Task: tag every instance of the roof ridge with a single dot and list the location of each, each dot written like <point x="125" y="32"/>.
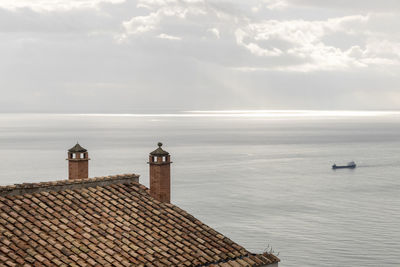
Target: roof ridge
<point x="26" y="188"/>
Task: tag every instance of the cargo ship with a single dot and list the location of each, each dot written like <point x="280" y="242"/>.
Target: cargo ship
<point x="350" y="165"/>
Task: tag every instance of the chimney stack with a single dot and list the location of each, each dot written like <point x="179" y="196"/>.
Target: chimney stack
<point x="78" y="163"/>
<point x="160" y="174"/>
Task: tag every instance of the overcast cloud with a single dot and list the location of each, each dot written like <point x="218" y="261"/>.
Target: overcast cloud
<point x="152" y="55"/>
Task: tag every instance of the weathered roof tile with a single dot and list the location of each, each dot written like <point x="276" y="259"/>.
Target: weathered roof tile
<point x="107" y="221"/>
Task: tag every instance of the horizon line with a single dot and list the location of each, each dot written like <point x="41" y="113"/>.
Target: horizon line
<point x="262" y="113"/>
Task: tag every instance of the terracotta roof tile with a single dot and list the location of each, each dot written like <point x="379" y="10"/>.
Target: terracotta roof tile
<point x="107" y="221"/>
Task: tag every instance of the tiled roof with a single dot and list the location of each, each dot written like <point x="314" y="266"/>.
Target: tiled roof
<point x="159" y="151"/>
<point x="107" y="221"/>
<point x="77" y="148"/>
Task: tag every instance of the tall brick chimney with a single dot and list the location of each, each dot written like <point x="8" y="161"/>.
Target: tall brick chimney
<point x="160" y="174"/>
<point x="78" y="163"/>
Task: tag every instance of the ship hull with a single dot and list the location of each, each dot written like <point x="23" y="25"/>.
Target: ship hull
<point x="344" y="167"/>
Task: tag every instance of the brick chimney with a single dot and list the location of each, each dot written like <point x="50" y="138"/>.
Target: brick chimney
<point x="160" y="174"/>
<point x="78" y="163"/>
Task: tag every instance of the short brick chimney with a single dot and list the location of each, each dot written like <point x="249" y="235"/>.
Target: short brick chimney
<point x="78" y="163"/>
<point x="160" y="174"/>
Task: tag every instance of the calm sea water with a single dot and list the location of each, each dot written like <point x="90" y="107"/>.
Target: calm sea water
<point x="261" y="178"/>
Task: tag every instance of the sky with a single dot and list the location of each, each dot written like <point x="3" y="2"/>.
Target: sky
<point x="123" y="56"/>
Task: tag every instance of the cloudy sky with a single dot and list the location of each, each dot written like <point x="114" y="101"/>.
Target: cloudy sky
<point x="150" y="55"/>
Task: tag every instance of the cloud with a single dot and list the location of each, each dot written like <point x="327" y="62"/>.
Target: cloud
<point x="152" y="21"/>
<point x="276" y="4"/>
<point x="168" y="37"/>
<point x="51" y="5"/>
<point x="304" y="41"/>
<point x="215" y="32"/>
<point x="141" y="24"/>
<point x="150" y="4"/>
<point x="253" y="47"/>
<point x="296" y="45"/>
<point x="204" y="53"/>
<point x="80" y="21"/>
<point x="354" y="5"/>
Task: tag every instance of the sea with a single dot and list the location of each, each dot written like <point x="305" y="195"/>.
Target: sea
<point x="263" y="178"/>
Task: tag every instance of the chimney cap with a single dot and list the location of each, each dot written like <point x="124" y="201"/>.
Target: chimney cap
<point x="159" y="151"/>
<point x="77" y="148"/>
